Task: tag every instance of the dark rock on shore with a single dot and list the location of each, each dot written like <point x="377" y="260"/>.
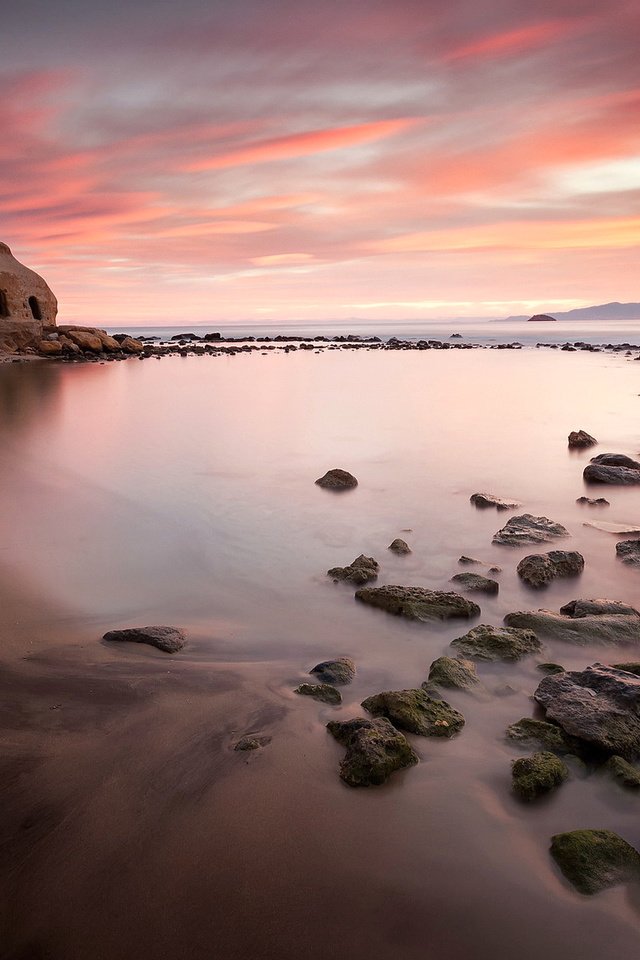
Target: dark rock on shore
<point x="529" y="529"/>
<point x="375" y="749"/>
<point x="539" y="569"/>
<point x="613" y="468"/>
<point x="599" y="705"/>
<point x="484" y="500"/>
<point x="400" y="547"/>
<point x="592" y="860"/>
<point x="416" y="712"/>
<point x="616" y="460"/>
<point x="623" y="772"/>
<point x="361" y="570"/>
<point x="534" y="776"/>
<point x="320" y="691"/>
<point x="340" y="670"/>
<point x="418" y="603"/>
<point x="476" y="583"/>
<point x="629" y="552"/>
<point x="591" y="502"/>
<point x="337" y="479"/>
<point x="252" y="743"/>
<point x="167" y="639"/>
<point x="581" y="439"/>
<point x="548" y="735"/>
<point x="453" y="672"/>
<point x="485" y="642"/>
<point x="616" y="628"/>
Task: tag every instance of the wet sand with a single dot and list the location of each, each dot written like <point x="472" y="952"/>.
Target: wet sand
<point x="136" y="494"/>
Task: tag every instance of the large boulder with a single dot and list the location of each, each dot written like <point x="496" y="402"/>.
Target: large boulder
<point x="476" y="583"/>
<point x="375" y="749"/>
<point x="167" y="639"/>
<point x="539" y="569"/>
<point x="337" y="479"/>
<point x="629" y="552"/>
<point x="340" y="670"/>
<point x="486" y="642"/>
<point x="610" y="628"/>
<point x="599" y="705"/>
<point x="595" y="859"/>
<point x="416" y="712"/>
<point x="536" y="775"/>
<point x="27" y="304"/>
<point x="529" y="529"/>
<point x="359" y="571"/>
<point x="86" y="340"/>
<point x="484" y="500"/>
<point x="418" y="603"/>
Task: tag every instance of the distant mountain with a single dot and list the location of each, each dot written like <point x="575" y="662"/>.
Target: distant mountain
<point x="603" y="311"/>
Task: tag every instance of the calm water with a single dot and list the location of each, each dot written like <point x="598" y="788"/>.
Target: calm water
<point x="181" y="491"/>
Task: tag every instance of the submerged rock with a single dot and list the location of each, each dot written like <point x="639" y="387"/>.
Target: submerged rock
<point x="534" y="776"/>
<point x="167" y="639"/>
<point x="375" y="749"/>
<point x="361" y="570"/>
<point x="539" y="569"/>
<point x="599" y="628"/>
<point x="418" y="603"/>
<point x="529" y="529"/>
<point x="599" y="705"/>
<point x="590" y="502"/>
<point x="629" y="552"/>
<point x="252" y="743"/>
<point x="485" y="642"/>
<point x="581" y="439"/>
<point x="576" y="609"/>
<point x="337" y="479"/>
<point x="475" y="582"/>
<point x="549" y="668"/>
<point x="342" y="670"/>
<point x="484" y="500"/>
<point x="453" y="672"/>
<point x="595" y="859"/>
<point x="618" y="529"/>
<point x="324" y="692"/>
<point x="416" y="712"/>
<point x="548" y="735"/>
<point x="613" y="468"/>
<point x="621" y="770"/>
<point x="399" y="546"/>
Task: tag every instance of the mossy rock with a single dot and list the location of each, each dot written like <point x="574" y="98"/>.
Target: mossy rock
<point x="537" y="775"/>
<point x="595" y="859"/>
<point x="548" y="735"/>
<point x="416" y="712"/>
<point x="452" y="672"/>
<point x="320" y="691"/>
<point x="485" y="642"/>
<point x="341" y="670"/>
<point x="418" y="603"/>
<point x="632" y="667"/>
<point x="549" y="668"/>
<point x="624" y="772"/>
<point x="375" y="749"/>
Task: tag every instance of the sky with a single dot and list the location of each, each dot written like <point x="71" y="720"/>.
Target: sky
<point x="279" y="160"/>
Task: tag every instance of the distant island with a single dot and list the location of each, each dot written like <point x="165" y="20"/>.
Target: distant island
<point x="538" y="317"/>
<point x="602" y="311"/>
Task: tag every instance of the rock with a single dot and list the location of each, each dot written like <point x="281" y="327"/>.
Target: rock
<point x="549" y="667"/>
<point x="110" y="344"/>
<point x="167" y="639"/>
<point x="586" y="608"/>
<point x="320" y="691"/>
<point x="621" y="770"/>
<point x="131" y="345"/>
<point x="341" y="670"/>
<point x="418" y="603"/>
<point x="337" y="480"/>
<point x="529" y="529"/>
<point x="599" y="705"/>
<point x="50" y="348"/>
<point x="613" y="469"/>
<point x="629" y="552"/>
<point x="467" y="561"/>
<point x="616" y="460"/>
<point x="595" y="859"/>
<point x="375" y="749"/>
<point x="599" y="628"/>
<point x="590" y="502"/>
<point x="416" y="712"/>
<point x="534" y="776"/>
<point x="453" y="672"/>
<point x="399" y="546"/>
<point x="361" y="570"/>
<point x="27" y="304"/>
<point x="252" y="743"/>
<point x="539" y="569"/>
<point x="617" y="528"/>
<point x="548" y="735"/>
<point x="483" y="500"/>
<point x="581" y="439"/>
<point x="476" y="583"/>
<point x="485" y="642"/>
<point x="631" y="667"/>
<point x="85" y="340"/>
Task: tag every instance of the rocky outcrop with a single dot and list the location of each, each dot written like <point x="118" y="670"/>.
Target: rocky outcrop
<point x="375" y="749"/>
<point x="475" y="583"/>
<point x="27" y="304"/>
<point x="167" y="639"/>
<point x="341" y="670"/>
<point x="485" y="642"/>
<point x="452" y="672"/>
<point x="416" y="712"/>
<point x="534" y="776"/>
<point x="629" y="552"/>
<point x="593" y="860"/>
<point x="484" y="500"/>
<point x="612" y="468"/>
<point x="324" y="692"/>
<point x="399" y="547"/>
<point x="337" y="479"/>
<point x="418" y="603"/>
<point x="615" y="628"/>
<point x="600" y="706"/>
<point x="580" y="439"/>
<point x="539" y="569"/>
<point x="361" y="570"/>
<point x="529" y="529"/>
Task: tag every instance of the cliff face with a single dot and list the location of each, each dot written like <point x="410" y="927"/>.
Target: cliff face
<point x="26" y="304"/>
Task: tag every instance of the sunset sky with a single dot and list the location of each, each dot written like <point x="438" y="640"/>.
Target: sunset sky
<point x="263" y="160"/>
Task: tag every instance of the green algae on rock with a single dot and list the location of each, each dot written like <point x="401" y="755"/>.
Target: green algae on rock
<point x="485" y="642"/>
<point x="536" y="775"/>
<point x="359" y="571"/>
<point x="549" y="667"/>
<point x="416" y="712"/>
<point x="630" y="667"/>
<point x="623" y="772"/>
<point x="320" y="691"/>
<point x="453" y="672"/>
<point x="375" y="749"/>
<point x="340" y="670"/>
<point x="549" y="735"/>
<point x="418" y="603"/>
<point x="595" y="859"/>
